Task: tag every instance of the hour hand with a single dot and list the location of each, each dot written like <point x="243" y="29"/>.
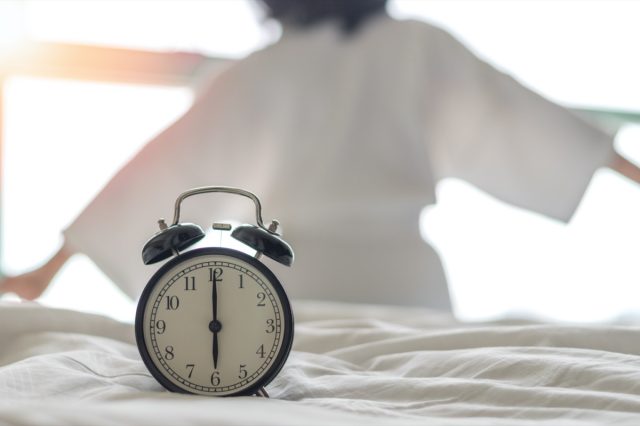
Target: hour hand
<point x="215" y="350"/>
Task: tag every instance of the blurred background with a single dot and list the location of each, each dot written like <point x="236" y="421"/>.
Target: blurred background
<point x="84" y="84"/>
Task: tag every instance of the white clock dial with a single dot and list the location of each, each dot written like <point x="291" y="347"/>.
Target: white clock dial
<point x="214" y="324"/>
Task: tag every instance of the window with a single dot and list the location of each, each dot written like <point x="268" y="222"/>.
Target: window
<point x="63" y="139"/>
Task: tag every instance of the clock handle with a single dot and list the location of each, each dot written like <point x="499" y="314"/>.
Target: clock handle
<point x="272" y="229"/>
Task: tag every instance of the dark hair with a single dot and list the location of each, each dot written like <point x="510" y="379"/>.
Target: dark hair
<point x="305" y="13"/>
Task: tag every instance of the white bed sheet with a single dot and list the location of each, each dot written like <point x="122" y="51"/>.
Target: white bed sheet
<point x="351" y="365"/>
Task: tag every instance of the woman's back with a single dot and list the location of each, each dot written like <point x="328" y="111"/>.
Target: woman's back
<point x="343" y="137"/>
<point x="341" y="122"/>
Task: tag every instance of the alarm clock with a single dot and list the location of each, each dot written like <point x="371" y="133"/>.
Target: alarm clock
<point x="215" y="321"/>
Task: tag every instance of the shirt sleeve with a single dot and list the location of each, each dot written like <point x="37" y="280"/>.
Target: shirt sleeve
<point x="488" y="129"/>
<point x="197" y="150"/>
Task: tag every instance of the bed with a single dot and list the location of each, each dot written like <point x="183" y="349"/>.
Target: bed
<point x="351" y="364"/>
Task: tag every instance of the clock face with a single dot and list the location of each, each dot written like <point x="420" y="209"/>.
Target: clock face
<point x="214" y="321"/>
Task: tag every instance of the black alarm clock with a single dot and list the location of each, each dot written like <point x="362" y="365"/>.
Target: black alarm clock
<point x="215" y="321"/>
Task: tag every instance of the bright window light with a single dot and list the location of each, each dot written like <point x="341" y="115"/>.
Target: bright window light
<point x="227" y="28"/>
<point x="573" y="52"/>
<point x="63" y="140"/>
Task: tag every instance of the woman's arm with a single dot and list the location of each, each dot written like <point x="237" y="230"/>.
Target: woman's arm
<point x="625" y="168"/>
<point x="32" y="284"/>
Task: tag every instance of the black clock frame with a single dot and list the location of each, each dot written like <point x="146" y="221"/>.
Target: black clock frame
<point x="287" y="335"/>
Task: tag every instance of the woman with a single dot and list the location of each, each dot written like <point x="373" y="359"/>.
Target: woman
<point x="343" y="128"/>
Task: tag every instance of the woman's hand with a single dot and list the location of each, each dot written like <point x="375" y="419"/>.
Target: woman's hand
<point x="32" y="284"/>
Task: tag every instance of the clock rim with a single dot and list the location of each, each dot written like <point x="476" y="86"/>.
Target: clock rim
<point x="287" y="314"/>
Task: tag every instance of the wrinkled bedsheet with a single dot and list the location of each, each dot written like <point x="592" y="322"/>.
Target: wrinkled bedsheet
<point x="351" y="364"/>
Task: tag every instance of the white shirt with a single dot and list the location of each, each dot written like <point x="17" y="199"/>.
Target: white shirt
<point x="344" y="139"/>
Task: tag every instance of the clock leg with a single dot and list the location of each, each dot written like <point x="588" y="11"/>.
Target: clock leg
<point x="262" y="392"/>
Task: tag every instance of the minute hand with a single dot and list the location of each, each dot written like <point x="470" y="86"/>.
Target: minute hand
<point x="215" y="324"/>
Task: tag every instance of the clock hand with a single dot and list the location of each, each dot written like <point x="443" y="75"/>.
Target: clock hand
<point x="215" y="350"/>
<point x="215" y="325"/>
<point x="214" y="297"/>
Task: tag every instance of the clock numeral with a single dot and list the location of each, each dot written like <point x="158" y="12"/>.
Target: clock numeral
<point x="172" y="303"/>
<point x="261" y="297"/>
<point x="189" y="283"/>
<point x="260" y="351"/>
<point x="215" y="275"/>
<point x="161" y="326"/>
<point x="243" y="371"/>
<point x="215" y="378"/>
<point x="168" y="353"/>
<point x="241" y="276"/>
<point x="270" y="326"/>
<point x="190" y="367"/>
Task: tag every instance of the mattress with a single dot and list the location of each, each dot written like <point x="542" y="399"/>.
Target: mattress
<point x="351" y="364"/>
